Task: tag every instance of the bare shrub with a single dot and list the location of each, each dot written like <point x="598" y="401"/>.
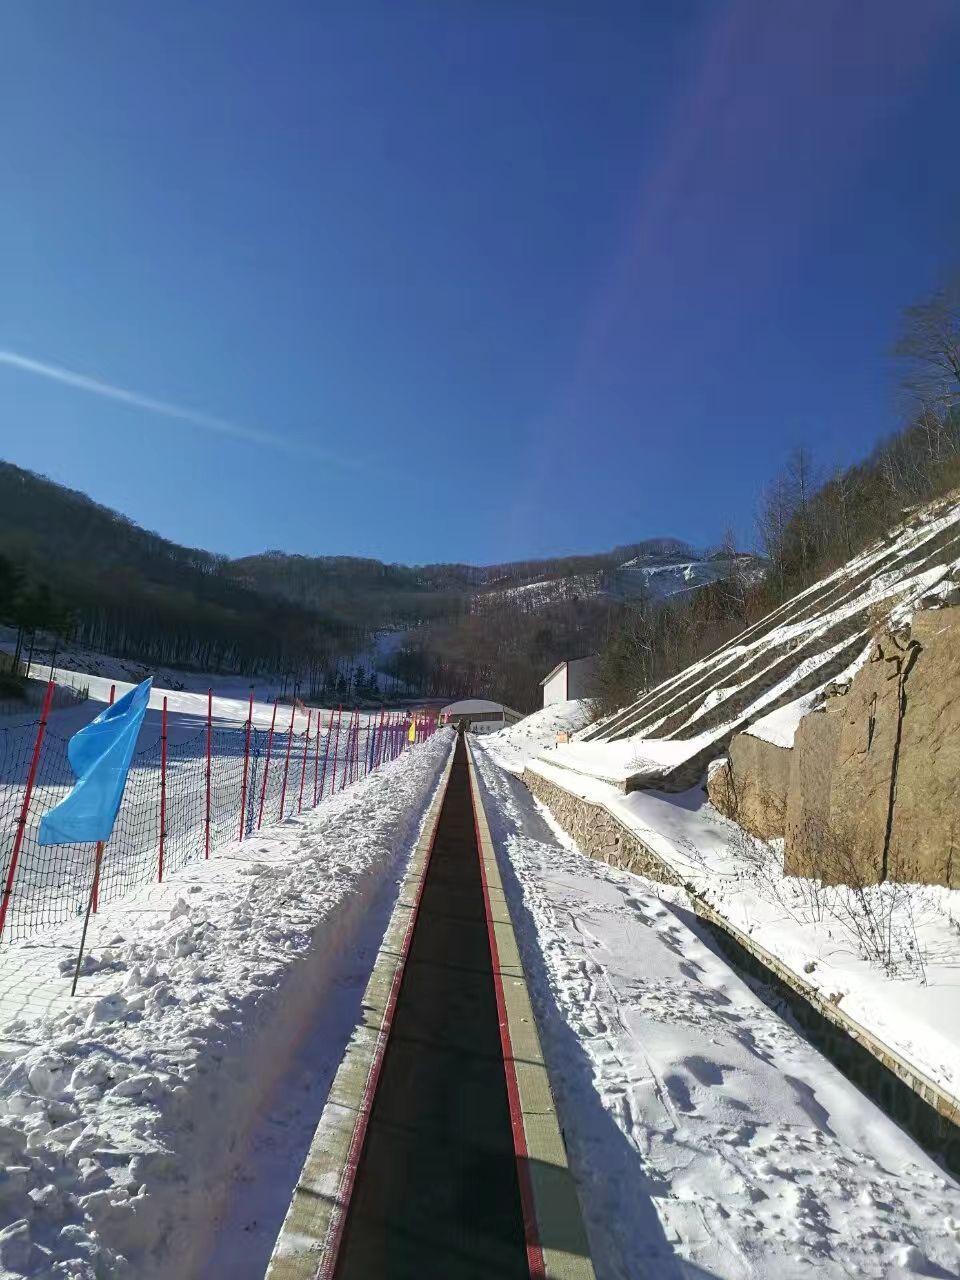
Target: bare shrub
<point x="878" y="921"/>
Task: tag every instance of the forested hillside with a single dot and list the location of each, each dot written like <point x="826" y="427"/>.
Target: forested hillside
<point x="75" y="568"/>
<point x="72" y="566"/>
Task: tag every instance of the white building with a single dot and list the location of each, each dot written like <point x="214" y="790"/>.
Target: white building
<point x="569" y="679"/>
<point x="480" y="715"/>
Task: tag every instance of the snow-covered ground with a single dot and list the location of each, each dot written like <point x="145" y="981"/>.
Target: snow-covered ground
<point x="82" y="668"/>
<point x="707" y="1137"/>
<point x="88" y="665"/>
<point x="515" y="744"/>
<point x="905" y="989"/>
<point x="43" y="875"/>
<point x="125" y="1116"/>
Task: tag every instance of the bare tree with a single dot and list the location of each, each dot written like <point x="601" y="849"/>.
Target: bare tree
<point x="772" y="520"/>
<point x="929" y="343"/>
<point x="802" y="484"/>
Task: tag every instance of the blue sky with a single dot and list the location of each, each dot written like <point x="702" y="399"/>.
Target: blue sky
<point x="462" y="279"/>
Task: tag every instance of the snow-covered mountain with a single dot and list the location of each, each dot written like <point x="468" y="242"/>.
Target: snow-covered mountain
<point x="660" y="570"/>
<point x="662" y="576"/>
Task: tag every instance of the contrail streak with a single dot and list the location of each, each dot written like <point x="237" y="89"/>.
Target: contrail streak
<point x="205" y="421"/>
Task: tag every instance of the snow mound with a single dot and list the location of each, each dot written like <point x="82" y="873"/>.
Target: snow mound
<point x="515" y="745"/>
<point x="123" y="1119"/>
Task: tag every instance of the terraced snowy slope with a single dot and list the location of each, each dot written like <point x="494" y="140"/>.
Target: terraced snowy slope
<point x="669" y="735"/>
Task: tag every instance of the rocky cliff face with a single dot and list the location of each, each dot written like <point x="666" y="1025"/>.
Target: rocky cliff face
<point x="869" y="791"/>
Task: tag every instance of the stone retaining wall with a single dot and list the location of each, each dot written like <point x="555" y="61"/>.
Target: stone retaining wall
<point x="597" y="832"/>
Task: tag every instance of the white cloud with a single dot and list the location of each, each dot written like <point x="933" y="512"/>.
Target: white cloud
<point x="205" y="421"/>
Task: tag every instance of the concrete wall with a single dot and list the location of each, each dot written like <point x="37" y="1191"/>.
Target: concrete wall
<point x="555" y="689"/>
<point x="580" y="674"/>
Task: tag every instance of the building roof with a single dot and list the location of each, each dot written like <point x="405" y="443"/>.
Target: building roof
<point x="474" y="706"/>
<point x="551" y="674"/>
<point x="568" y="662"/>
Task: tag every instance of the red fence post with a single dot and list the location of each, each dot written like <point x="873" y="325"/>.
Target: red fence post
<point x="266" y="767"/>
<point x="336" y="748"/>
<point x="95" y="891"/>
<point x="316" y="754"/>
<point x="346" y="754"/>
<point x="348" y="758"/>
<point x="326" y="750"/>
<point x="163" y="789"/>
<point x="246" y="765"/>
<point x="303" y="767"/>
<point x="25" y="807"/>
<point x="286" y="763"/>
<point x="206" y="824"/>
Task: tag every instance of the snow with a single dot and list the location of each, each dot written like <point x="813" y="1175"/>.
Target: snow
<point x="615" y="761"/>
<point x="513" y="746"/>
<point x="68" y="880"/>
<point x="706" y="1136"/>
<point x="227" y="709"/>
<point x="124" y="1117"/>
<point x="664" y="580"/>
<point x="531" y="596"/>
<point x="656" y="577"/>
<point x="780" y="727"/>
<point x="894" y="577"/>
<point x="187" y="708"/>
<point x="913" y="1005"/>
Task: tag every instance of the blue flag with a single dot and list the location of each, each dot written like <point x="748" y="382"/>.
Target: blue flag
<point x="100" y="755"/>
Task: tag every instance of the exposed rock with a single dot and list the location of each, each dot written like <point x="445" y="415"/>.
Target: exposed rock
<point x="868" y="718"/>
<point x="752" y="787"/>
<point x="812" y="761"/>
<point x="720" y="789"/>
<point x="925" y="831"/>
<point x="873" y="791"/>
